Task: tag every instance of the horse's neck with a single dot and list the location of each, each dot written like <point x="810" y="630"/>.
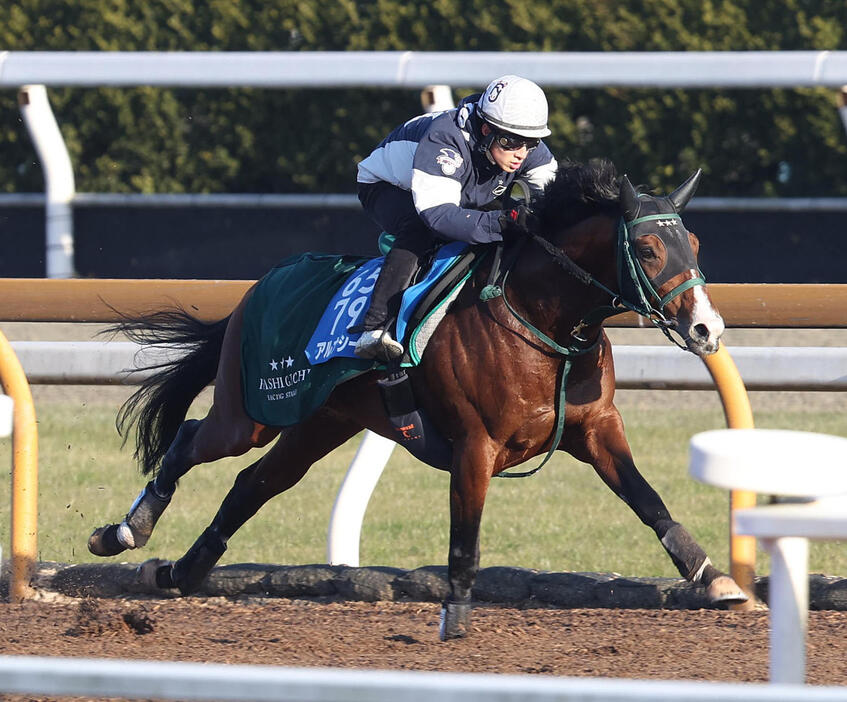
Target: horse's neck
<point x="554" y="299"/>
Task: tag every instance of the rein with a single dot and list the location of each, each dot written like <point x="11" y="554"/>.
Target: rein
<point x="628" y="265"/>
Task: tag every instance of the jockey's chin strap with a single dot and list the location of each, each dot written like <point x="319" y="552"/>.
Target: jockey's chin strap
<point x="628" y="265"/>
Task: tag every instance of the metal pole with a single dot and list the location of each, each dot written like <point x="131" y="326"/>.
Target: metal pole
<point x="736" y="405"/>
<point x="58" y="179"/>
<point x="24" y="473"/>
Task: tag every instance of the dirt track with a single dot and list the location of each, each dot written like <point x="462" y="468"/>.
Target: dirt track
<point x="663" y="644"/>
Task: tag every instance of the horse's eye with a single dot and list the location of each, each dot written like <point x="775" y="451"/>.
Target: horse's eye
<point x="647" y="253"/>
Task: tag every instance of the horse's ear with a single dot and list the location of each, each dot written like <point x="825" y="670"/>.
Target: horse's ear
<point x="680" y="197"/>
<point x="629" y="200"/>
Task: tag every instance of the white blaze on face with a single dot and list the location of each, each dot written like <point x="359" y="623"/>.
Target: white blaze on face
<point x="706" y="325"/>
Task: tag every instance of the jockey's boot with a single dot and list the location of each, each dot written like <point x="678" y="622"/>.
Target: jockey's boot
<point x="378" y="343"/>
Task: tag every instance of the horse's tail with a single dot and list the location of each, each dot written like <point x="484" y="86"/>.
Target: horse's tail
<point x="158" y="407"/>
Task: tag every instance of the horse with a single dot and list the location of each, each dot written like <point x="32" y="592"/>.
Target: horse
<point x="503" y="379"/>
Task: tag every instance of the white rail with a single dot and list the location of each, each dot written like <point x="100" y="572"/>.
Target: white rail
<point x="332" y="69"/>
<point x="349" y="201"/>
<point x="636" y="367"/>
<point x="205" y="681"/>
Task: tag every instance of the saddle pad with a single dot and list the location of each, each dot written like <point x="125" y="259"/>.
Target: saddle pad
<point x="279" y="385"/>
<point x="348" y="306"/>
<point x="294" y="343"/>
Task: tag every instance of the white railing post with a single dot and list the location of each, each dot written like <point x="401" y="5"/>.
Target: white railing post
<point x="58" y="179"/>
<point x="788" y="600"/>
<point x="7" y="407"/>
<point x="345" y="523"/>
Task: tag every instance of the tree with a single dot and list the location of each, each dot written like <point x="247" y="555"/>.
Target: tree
<point x="749" y="142"/>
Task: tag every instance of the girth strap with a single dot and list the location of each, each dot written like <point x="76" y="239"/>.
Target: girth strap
<point x="567" y="352"/>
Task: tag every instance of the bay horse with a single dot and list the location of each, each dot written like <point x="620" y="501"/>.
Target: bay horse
<point x="502" y="379"/>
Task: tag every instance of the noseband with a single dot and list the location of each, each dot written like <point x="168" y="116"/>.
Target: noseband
<point x="638" y="292"/>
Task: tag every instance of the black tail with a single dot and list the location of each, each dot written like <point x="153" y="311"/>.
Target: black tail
<point x="159" y="406"/>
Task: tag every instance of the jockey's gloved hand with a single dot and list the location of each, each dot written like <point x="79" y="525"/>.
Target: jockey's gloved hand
<point x="517" y="222"/>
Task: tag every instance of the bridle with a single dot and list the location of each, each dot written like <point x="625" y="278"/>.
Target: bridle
<point x="637" y="293"/>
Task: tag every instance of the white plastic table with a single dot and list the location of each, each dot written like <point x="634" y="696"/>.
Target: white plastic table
<point x="808" y="474"/>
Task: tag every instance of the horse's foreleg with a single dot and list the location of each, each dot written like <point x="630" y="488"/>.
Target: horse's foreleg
<point x="279" y="469"/>
<point x="605" y="447"/>
<point x="469" y="482"/>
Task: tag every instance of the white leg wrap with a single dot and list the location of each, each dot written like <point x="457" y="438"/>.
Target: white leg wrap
<point x="699" y="574"/>
<point x="125" y="536"/>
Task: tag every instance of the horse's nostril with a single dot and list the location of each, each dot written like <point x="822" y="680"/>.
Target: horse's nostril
<point x="701" y="331"/>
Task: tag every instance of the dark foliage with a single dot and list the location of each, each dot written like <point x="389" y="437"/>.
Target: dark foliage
<point x="749" y="142"/>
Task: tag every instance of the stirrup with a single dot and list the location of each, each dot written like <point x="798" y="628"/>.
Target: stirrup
<point x="378" y="343"/>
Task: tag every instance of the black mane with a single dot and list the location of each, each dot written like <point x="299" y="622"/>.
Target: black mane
<point x="579" y="191"/>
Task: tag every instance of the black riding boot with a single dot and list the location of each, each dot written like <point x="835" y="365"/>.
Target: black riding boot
<point x="396" y="274"/>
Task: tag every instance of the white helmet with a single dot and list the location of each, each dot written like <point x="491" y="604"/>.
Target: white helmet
<point x="515" y="105"/>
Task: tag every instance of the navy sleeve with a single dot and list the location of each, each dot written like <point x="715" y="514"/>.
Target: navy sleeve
<point x="440" y="170"/>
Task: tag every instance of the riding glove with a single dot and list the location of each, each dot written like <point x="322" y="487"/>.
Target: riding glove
<point x="518" y="222"/>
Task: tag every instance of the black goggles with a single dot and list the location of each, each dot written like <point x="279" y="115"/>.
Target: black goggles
<point x="513" y="142"/>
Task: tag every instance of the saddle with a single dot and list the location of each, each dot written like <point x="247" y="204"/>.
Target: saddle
<point x="295" y="347"/>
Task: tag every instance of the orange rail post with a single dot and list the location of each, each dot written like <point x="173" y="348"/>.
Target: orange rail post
<point x="736" y="406"/>
<point x="24" y="473"/>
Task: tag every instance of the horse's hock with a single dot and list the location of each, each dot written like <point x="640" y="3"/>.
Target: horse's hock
<point x="519" y="587"/>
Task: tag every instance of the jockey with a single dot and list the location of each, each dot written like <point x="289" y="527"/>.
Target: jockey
<point x="427" y="180"/>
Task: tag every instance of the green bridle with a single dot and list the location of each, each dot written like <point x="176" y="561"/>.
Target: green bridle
<point x="630" y="274"/>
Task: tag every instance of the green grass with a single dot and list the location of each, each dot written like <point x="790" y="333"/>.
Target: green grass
<point x="563" y="518"/>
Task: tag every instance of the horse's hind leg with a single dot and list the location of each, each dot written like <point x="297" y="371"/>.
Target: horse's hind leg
<point x="279" y="469"/>
<point x="603" y="444"/>
<point x="225" y="431"/>
<point x="197" y="441"/>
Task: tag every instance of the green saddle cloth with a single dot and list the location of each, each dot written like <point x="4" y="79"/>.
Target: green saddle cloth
<point x="280" y="386"/>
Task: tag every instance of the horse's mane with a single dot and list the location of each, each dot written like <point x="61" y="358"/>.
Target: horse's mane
<point x="579" y="191"/>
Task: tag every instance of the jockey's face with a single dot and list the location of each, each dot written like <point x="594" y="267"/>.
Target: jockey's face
<point x="508" y="159"/>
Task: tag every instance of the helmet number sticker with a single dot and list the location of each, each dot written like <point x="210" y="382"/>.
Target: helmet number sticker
<point x="495" y="91"/>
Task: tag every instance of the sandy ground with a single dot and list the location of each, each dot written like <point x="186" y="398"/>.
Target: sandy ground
<point x="659" y="644"/>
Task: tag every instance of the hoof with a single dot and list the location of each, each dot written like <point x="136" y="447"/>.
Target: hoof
<point x="104" y="541"/>
<point x="455" y="617"/>
<point x="723" y="590"/>
<point x="154" y="573"/>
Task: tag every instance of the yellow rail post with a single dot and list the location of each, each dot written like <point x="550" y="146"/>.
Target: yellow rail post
<point x="736" y="406"/>
<point x="24" y="473"/>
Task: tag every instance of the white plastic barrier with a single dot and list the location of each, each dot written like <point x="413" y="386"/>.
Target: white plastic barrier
<point x="809" y="472"/>
<point x="417" y="69"/>
<point x="348" y="512"/>
<point x="664" y="367"/>
<point x="7" y="407"/>
<point x="209" y="681"/>
<point x="636" y="367"/>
